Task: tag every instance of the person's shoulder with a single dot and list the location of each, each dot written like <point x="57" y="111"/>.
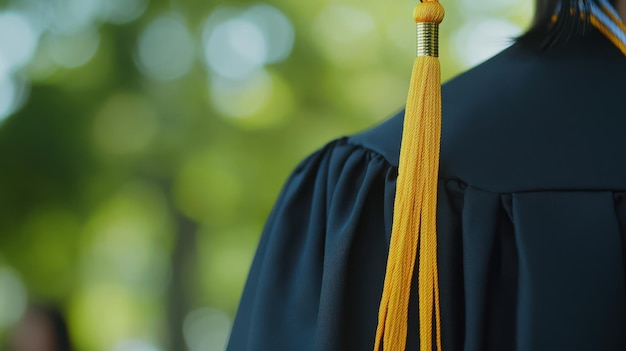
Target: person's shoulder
<point x="503" y="121"/>
<point x="384" y="138"/>
<point x="508" y="76"/>
<point x="515" y="60"/>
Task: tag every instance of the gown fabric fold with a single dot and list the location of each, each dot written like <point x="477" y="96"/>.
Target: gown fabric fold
<point x="531" y="218"/>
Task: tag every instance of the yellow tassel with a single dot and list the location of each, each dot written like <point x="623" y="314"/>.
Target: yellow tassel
<point x="414" y="221"/>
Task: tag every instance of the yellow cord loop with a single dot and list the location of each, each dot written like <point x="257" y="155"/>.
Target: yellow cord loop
<point x="414" y="231"/>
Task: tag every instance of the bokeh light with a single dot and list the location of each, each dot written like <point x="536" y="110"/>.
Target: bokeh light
<point x="236" y="48"/>
<point x="478" y="40"/>
<point x="12" y="297"/>
<point x="67" y="16"/>
<point x="134" y="345"/>
<point x="347" y="35"/>
<point x="112" y="306"/>
<point x="122" y="11"/>
<point x="277" y="30"/>
<point x="206" y="329"/>
<point x="74" y="49"/>
<point x="125" y="268"/>
<point x="241" y="99"/>
<point x="263" y="100"/>
<point x="125" y="125"/>
<point x="166" y="48"/>
<point x="240" y="45"/>
<point x="237" y="44"/>
<point x="18" y="40"/>
<point x="13" y="93"/>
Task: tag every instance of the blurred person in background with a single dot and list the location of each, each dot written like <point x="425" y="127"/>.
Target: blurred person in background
<point x="42" y="328"/>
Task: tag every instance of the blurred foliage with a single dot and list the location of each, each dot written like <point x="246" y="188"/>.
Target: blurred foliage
<point x="142" y="143"/>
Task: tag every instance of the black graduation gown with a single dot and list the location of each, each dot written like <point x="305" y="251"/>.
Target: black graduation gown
<point x="531" y="217"/>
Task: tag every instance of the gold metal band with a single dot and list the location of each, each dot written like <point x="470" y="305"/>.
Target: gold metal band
<point x="428" y="39"/>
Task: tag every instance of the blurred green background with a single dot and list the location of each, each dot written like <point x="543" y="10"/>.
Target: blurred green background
<point x="143" y="142"/>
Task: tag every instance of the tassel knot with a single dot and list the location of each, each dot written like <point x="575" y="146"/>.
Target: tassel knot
<point x="428" y="12"/>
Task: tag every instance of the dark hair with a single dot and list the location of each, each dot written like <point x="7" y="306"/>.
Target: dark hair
<point x="572" y="20"/>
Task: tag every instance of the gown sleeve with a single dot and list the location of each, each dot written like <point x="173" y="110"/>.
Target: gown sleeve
<point x="316" y="280"/>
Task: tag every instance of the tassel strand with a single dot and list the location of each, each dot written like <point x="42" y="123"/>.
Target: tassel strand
<point x="414" y="229"/>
